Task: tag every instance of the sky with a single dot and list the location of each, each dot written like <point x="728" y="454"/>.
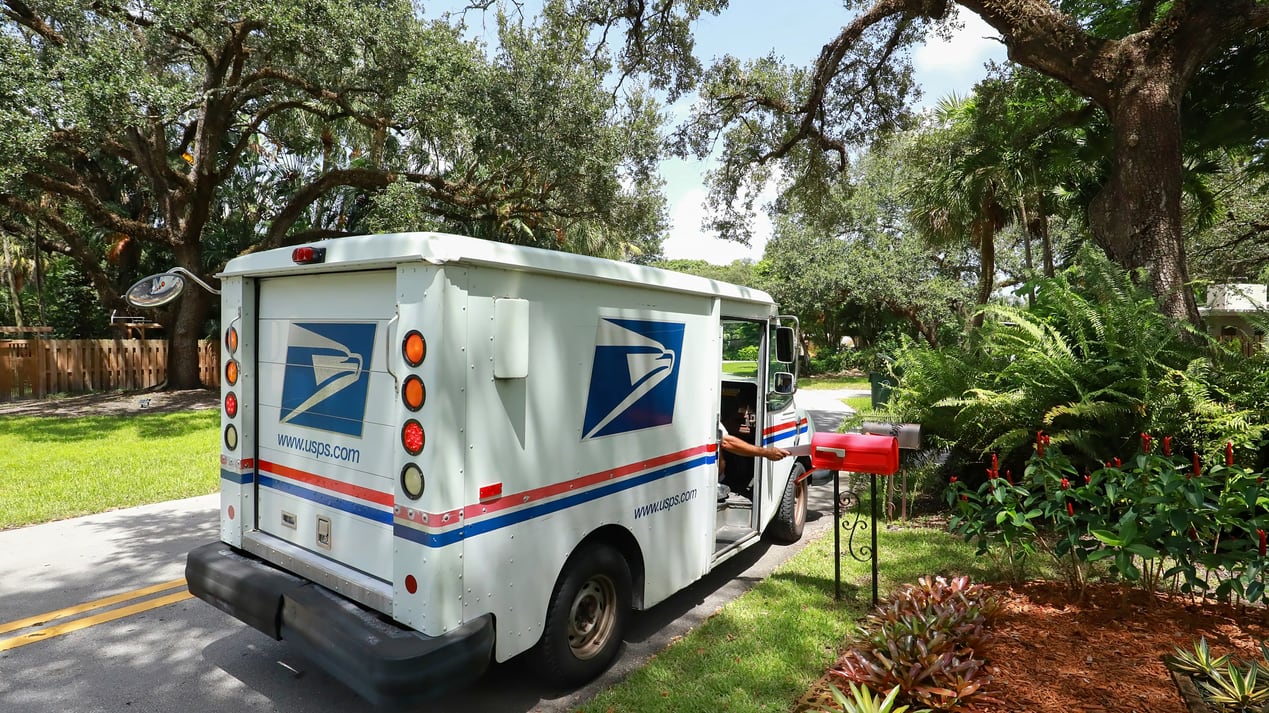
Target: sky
<point x="751" y="28"/>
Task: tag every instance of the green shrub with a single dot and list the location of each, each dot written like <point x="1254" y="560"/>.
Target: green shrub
<point x="1159" y="517"/>
<point x="827" y="362"/>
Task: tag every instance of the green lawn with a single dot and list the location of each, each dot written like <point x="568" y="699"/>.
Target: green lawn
<point x="748" y="369"/>
<point x="763" y="650"/>
<point x="834" y="382"/>
<point x="859" y="403"/>
<point x="55" y="468"/>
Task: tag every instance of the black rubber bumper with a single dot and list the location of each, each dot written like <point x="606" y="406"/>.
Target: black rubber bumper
<point x="385" y="663"/>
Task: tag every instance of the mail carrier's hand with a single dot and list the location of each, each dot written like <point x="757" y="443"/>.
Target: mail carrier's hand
<point x="774" y="453"/>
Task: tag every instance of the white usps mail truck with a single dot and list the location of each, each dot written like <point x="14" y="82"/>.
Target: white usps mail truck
<point x="439" y="451"/>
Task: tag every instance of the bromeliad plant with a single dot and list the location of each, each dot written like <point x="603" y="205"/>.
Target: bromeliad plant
<point x="925" y="644"/>
<point x="1224" y="682"/>
<point x="861" y="700"/>
<point x="1161" y="516"/>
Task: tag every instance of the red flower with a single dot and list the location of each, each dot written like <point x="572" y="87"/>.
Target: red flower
<point x="1145" y="443"/>
<point x="1066" y="484"/>
<point x="995" y="464"/>
<point x="953" y="479"/>
<point x="991" y="474"/>
<point x="1087" y="479"/>
<point x="1039" y="443"/>
<point x="1262" y="542"/>
<point x="1167" y="445"/>
<point x="1198" y="468"/>
<point x="1070" y="509"/>
<point x="964" y="498"/>
<point x="1009" y="476"/>
<point x="1118" y="462"/>
<point x="1229" y="453"/>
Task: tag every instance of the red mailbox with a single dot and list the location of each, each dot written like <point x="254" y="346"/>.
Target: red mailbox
<point x="855" y="452"/>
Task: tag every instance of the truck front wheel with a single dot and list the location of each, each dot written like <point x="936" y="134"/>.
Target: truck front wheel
<point x="586" y="617"/>
<point x="786" y="526"/>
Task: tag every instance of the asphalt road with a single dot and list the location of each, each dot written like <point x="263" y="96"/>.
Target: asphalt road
<point x="94" y="616"/>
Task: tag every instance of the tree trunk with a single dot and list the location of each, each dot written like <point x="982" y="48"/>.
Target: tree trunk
<point x="1026" y="249"/>
<point x="183" y="336"/>
<point x="1039" y="227"/>
<point x="987" y="266"/>
<point x="192" y="309"/>
<point x="1136" y="218"/>
<point x="11" y="283"/>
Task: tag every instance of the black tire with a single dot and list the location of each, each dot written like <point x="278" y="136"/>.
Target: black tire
<point x="786" y="526"/>
<point x="586" y="617"/>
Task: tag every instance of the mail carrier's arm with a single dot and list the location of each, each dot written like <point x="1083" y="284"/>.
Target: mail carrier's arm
<point x="732" y="444"/>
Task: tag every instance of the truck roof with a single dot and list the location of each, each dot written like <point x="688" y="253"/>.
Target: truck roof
<point x="391" y="249"/>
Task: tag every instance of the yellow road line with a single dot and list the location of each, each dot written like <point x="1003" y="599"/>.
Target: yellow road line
<point x="88" y="606"/>
<point x="76" y="625"/>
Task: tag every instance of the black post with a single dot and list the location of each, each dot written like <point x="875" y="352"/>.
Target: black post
<point x="837" y="536"/>
<point x="874" y="540"/>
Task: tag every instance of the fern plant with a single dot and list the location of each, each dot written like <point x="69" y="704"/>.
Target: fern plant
<point x="1092" y="363"/>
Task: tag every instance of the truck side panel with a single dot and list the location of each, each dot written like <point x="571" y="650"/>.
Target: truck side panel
<point x="237" y="464"/>
<point x="614" y="425"/>
<point x="429" y="590"/>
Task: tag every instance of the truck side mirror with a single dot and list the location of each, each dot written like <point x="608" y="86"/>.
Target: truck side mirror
<point x="158" y="290"/>
<point x="784" y="345"/>
<point x="782" y="383"/>
<point x="155" y="290"/>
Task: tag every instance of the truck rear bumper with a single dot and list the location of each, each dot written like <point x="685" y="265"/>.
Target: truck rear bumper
<point x="382" y="661"/>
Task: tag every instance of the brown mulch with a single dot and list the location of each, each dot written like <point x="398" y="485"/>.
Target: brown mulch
<point x="113" y="403"/>
<point x="1104" y="655"/>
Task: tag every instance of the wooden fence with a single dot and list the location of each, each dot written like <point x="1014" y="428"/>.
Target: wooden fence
<point x="34" y="368"/>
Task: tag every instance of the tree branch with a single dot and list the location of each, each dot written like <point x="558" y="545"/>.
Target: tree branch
<point x="95" y="208"/>
<point x="22" y="14"/>
<point x="75" y="246"/>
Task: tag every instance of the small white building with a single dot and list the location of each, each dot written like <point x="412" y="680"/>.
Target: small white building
<point x="1227" y="309"/>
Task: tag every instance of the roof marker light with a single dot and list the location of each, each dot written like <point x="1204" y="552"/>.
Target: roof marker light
<point x="308" y="255"/>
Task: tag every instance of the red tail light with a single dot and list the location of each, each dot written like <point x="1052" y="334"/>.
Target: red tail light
<point x="308" y="255"/>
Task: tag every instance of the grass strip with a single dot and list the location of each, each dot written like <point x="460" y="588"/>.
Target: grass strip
<point x="834" y="382"/>
<point x="859" y="403"/>
<point x="763" y="650"/>
<point x="55" y="468"/>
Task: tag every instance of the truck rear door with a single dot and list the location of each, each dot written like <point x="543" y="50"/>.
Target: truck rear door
<point x="323" y="480"/>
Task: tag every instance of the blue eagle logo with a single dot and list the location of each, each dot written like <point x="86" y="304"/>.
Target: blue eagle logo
<point x="634" y="378"/>
<point x="327" y="375"/>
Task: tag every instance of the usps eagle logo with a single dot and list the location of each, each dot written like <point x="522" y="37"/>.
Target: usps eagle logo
<point x="327" y="375"/>
<point x="634" y="378"/>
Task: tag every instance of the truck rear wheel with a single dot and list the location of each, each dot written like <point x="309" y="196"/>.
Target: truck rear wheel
<point x="786" y="526"/>
<point x="586" y="617"/>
